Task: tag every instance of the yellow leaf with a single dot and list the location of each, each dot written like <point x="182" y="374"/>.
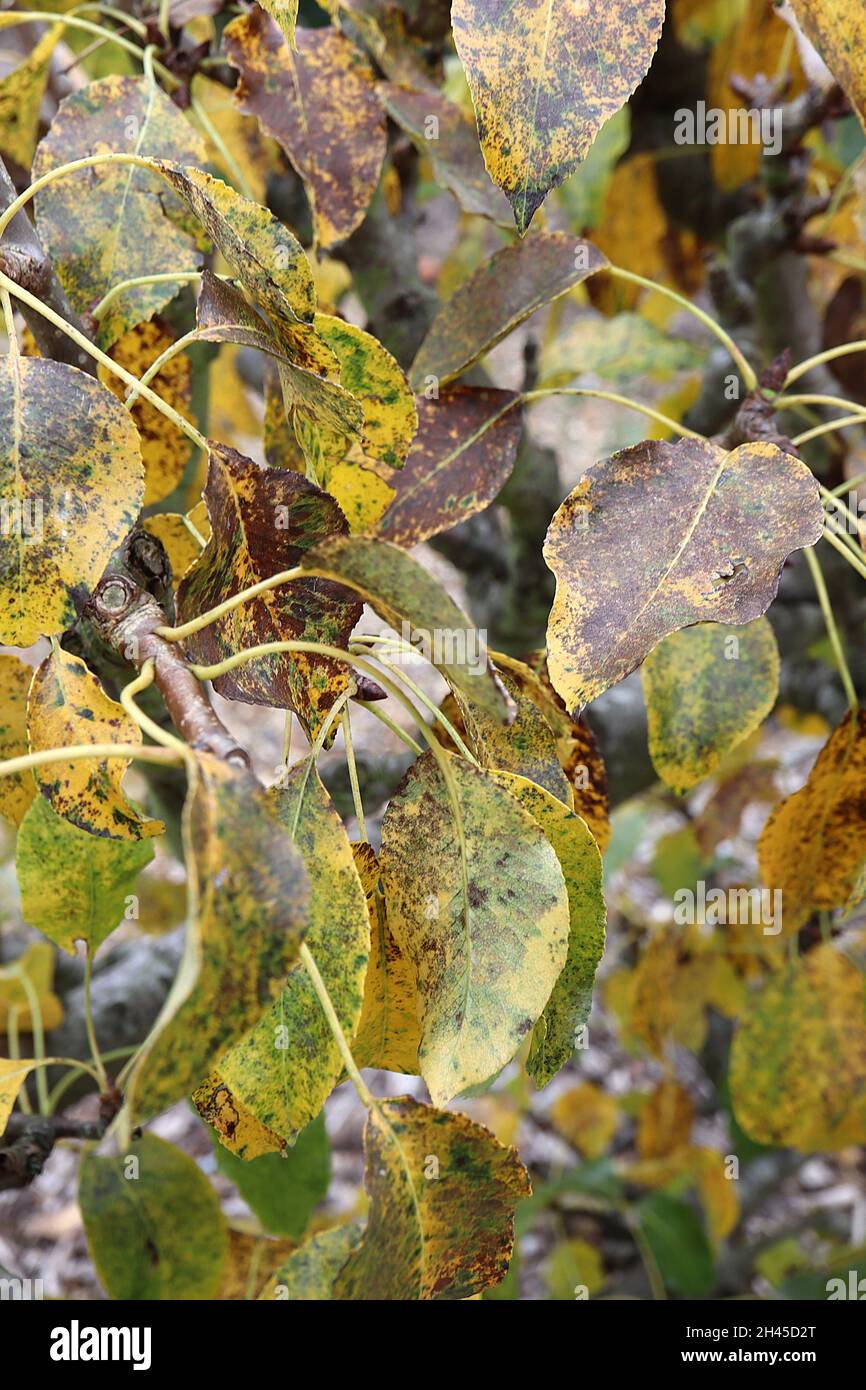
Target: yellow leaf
<point x="587" y="1117"/>
<point x="237" y="1127"/>
<point x="13" y="1074"/>
<point x="21" y="93"/>
<point x="665" y="1121"/>
<point x="18" y="791"/>
<point x="37" y="963"/>
<point x="798" y="1060"/>
<point x="67" y="705"/>
<point x="837" y="28"/>
<point x="388" y="1031"/>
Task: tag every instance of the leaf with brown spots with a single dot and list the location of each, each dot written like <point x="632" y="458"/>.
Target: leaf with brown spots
<point x="308" y="1275"/>
<point x="16" y="792"/>
<point x="308" y="370"/>
<point x="837" y="28"/>
<point x="497" y="297"/>
<point x="576" y="747"/>
<point x="443" y="1192"/>
<point x="71" y="485"/>
<point x="402" y="592"/>
<point x="165" y="451"/>
<point x="813" y="847"/>
<point x="462" y="456"/>
<point x="266" y="257"/>
<point x="286" y="1066"/>
<point x="319" y="103"/>
<point x="67" y="705"/>
<point x="545" y="75"/>
<point x="526" y="747"/>
<point x="236" y="1127"/>
<point x="115" y="221"/>
<point x="439" y="130"/>
<point x="156" y="1231"/>
<point x="557" y="1032"/>
<point x="706" y="689"/>
<point x="251" y="897"/>
<point x="263" y="521"/>
<point x="388" y="1033"/>
<point x="477" y="902"/>
<point x="798" y="1059"/>
<point x="707" y="534"/>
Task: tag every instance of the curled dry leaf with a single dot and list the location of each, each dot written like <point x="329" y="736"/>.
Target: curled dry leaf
<point x="706" y="689"/>
<point x="67" y="705"/>
<point x="263" y="521"/>
<point x="114" y="222"/>
<point x="251" y="898"/>
<point x="498" y="296"/>
<point x="813" y="847"/>
<point x="544" y="79"/>
<point x="664" y="535"/>
<point x="71" y="481"/>
<point x="319" y="103"/>
<point x="462" y="456"/>
<point x="477" y="902"/>
<point x="443" y="1233"/>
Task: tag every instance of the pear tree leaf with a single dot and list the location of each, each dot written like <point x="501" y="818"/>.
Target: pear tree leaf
<point x="544" y="79"/>
<point x="813" y="847"/>
<point x="16" y="792"/>
<point x="462" y="457"/>
<point x="114" y="222"/>
<point x="403" y="593"/>
<point x="837" y="28"/>
<point x="251" y="897"/>
<point x="308" y="1274"/>
<point x="263" y="521"/>
<point x="154" y="1226"/>
<point x="497" y="297"/>
<point x="709" y="533"/>
<point x="798" y="1059"/>
<point x="286" y="1066"/>
<point x="283" y="1189"/>
<point x="13" y="1073"/>
<point x="71" y="486"/>
<point x="318" y="101"/>
<point x="21" y="94"/>
<point x="388" y="1033"/>
<point x="477" y="902"/>
<point x="67" y="705"/>
<point x="707" y="688"/>
<point x="74" y="885"/>
<point x="443" y="1192"/>
<point x="556" y="1034"/>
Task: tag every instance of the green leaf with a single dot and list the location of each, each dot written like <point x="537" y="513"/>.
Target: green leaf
<point x="544" y="79"/>
<point x="679" y="1245"/>
<point x="319" y="103"/>
<point x="402" y="592"/>
<point x="554" y="1037"/>
<point x="462" y="456"/>
<point x="706" y="689"/>
<point x="618" y="349"/>
<point x="527" y="747"/>
<point x="264" y="520"/>
<point x="71" y="484"/>
<point x="115" y="222"/>
<point x="709" y="532"/>
<point x="286" y="1066"/>
<point x="74" y="885"/>
<point x="442" y="1196"/>
<point x="477" y="902"/>
<point x="439" y="130"/>
<point x="283" y="1189"/>
<point x="497" y="297"/>
<point x="153" y="1223"/>
<point x="251" y="895"/>
<point x="309" y="1273"/>
<point x="67" y="705"/>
